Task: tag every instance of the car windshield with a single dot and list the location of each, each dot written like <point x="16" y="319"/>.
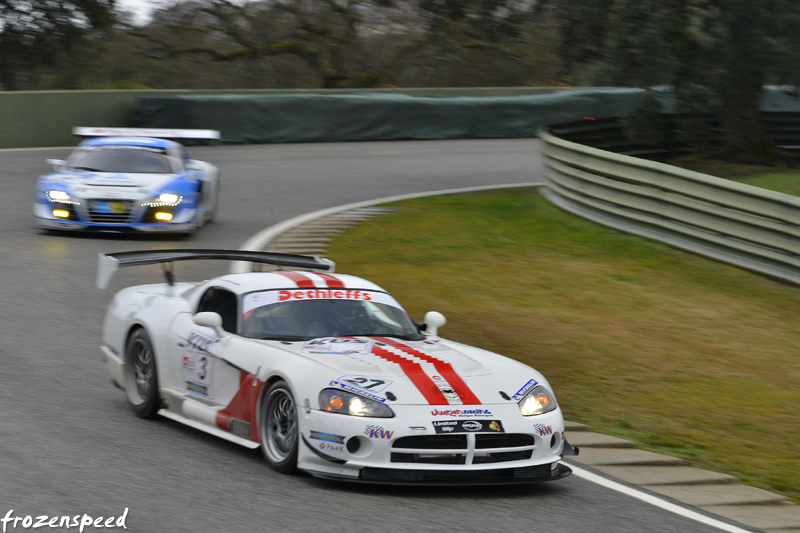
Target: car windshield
<point x="127" y="159"/>
<point x="266" y="316"/>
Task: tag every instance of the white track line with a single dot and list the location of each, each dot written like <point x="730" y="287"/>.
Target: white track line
<point x="654" y="500"/>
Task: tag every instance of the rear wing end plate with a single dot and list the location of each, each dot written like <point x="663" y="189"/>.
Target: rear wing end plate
<point x="108" y="264"/>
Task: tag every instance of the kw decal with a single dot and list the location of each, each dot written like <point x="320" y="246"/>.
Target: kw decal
<point x="378" y="432"/>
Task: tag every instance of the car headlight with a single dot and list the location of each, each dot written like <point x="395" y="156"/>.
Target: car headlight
<point x="60" y="197"/>
<point x="347" y="403"/>
<point x="537" y="402"/>
<point x="165" y="200"/>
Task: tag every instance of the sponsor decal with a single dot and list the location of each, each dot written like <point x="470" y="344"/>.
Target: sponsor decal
<point x="111" y="208"/>
<point x="462" y="412"/>
<point x="197" y="369"/>
<point x="327" y="437"/>
<point x="258" y="299"/>
<point x="377" y="432"/>
<point x="337" y="345"/>
<point x="542" y="429"/>
<point x="200" y="341"/>
<point x="447" y="392"/>
<point x="367" y="383"/>
<point x="197" y="388"/>
<point x="356" y="390"/>
<point x="324" y="294"/>
<point x="524" y="390"/>
<point x="327" y="446"/>
<point x="472" y="425"/>
<point x="468" y="426"/>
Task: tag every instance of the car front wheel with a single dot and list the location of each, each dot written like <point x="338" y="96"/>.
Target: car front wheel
<point x="279" y="432"/>
<point x="141" y="379"/>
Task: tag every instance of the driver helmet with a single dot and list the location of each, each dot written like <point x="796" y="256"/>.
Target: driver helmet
<point x="347" y="311"/>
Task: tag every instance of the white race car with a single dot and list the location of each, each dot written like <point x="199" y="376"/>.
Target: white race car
<point x="326" y="373"/>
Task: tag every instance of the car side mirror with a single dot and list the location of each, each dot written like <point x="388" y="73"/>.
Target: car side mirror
<point x="433" y="321"/>
<point x="57" y="164"/>
<point x="212" y="320"/>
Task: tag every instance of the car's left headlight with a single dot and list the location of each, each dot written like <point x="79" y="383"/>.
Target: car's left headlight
<point x="347" y="403"/>
<point x="538" y="401"/>
<point x="166" y="199"/>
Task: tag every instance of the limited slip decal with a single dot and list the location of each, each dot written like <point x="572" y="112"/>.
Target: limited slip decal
<point x="468" y="426"/>
<point x="448" y="384"/>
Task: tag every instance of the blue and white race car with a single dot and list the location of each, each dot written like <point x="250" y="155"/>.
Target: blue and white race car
<point x="129" y="179"/>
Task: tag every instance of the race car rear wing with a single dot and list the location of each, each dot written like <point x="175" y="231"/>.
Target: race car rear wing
<point x="159" y="133"/>
<point x="108" y="264"/>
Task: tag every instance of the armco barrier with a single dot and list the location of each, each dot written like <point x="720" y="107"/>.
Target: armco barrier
<point x="749" y="227"/>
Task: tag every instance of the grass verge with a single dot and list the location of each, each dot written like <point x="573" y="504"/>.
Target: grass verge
<point x="682" y="355"/>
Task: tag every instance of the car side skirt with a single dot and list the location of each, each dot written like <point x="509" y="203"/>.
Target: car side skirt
<point x="209" y="429"/>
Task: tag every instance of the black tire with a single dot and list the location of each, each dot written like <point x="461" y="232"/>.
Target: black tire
<point x="212" y="211"/>
<point x="141" y="377"/>
<point x="279" y="430"/>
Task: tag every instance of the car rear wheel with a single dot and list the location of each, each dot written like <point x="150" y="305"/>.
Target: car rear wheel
<point x="141" y="379"/>
<point x="279" y="432"/>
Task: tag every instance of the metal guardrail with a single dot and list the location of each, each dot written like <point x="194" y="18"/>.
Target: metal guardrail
<point x="749" y="227"/>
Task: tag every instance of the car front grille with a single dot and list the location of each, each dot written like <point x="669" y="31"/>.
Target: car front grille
<point x="463" y="449"/>
<point x="110" y="211"/>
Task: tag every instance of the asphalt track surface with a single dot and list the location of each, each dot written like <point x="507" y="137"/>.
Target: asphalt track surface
<point x="70" y="445"/>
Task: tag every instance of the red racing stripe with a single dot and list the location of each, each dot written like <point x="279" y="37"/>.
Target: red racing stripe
<point x="414" y="371"/>
<point x="443" y="367"/>
<point x="303" y="281"/>
<point x="332" y="281"/>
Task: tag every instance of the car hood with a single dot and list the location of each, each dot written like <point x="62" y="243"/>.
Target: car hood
<point x="433" y="372"/>
<point x="84" y="184"/>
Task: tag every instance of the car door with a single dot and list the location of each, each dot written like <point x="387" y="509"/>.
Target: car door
<point x="202" y="372"/>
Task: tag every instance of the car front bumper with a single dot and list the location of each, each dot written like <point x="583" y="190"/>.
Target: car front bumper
<point x="414" y="449"/>
<point x="79" y="222"/>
